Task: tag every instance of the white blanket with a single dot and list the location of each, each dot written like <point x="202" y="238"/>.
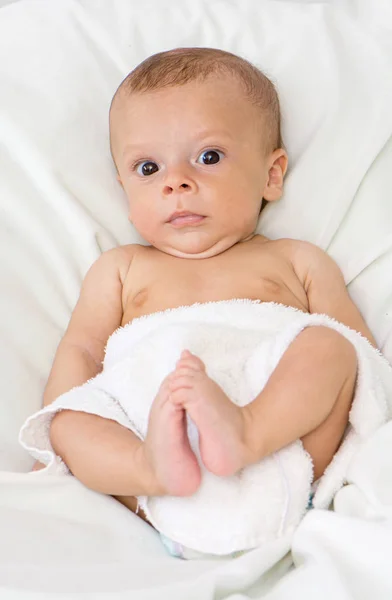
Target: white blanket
<point x="241" y="342"/>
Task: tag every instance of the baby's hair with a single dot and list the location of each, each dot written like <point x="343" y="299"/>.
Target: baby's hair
<point x="183" y="65"/>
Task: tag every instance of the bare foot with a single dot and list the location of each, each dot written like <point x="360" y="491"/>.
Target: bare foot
<point x="219" y="421"/>
<point x="167" y="448"/>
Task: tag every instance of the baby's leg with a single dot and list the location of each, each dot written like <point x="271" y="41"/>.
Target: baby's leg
<point x="110" y="459"/>
<point x="308" y="396"/>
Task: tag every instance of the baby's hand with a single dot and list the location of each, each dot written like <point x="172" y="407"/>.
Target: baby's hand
<point x="166" y="447"/>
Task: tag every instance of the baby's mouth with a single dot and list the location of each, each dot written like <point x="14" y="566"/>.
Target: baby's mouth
<point x="184" y="218"/>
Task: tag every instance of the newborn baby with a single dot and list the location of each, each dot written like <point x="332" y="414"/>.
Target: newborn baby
<point x="195" y="138"/>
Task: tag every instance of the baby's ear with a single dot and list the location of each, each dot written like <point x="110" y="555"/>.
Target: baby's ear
<point x="277" y="168"/>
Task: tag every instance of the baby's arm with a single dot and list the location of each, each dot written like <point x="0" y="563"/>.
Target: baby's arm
<point x="327" y="294"/>
<point x="325" y="287"/>
<point x="101" y="453"/>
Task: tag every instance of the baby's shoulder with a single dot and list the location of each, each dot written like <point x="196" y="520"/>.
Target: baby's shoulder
<point x="118" y="259"/>
<point x="296" y="250"/>
<point x="310" y="262"/>
<point x="289" y="248"/>
<point x="306" y="259"/>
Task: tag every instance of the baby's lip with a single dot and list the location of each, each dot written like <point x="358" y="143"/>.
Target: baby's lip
<point x="184" y="217"/>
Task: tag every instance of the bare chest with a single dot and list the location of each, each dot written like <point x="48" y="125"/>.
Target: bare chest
<point x="156" y="285"/>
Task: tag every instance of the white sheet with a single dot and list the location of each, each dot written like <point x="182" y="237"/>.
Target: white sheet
<point x="65" y="540"/>
<point x="60" y="206"/>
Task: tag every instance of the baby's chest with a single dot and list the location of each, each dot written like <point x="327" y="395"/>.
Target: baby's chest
<point x="161" y="289"/>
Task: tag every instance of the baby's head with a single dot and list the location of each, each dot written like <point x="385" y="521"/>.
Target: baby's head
<point x="195" y="137"/>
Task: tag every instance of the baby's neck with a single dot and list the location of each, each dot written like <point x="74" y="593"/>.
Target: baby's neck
<point x="247" y="239"/>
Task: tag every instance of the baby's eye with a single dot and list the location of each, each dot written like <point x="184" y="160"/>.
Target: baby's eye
<point x="210" y="157"/>
<point x="146" y="168"/>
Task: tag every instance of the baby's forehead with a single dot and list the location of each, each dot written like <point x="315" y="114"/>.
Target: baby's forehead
<point x="210" y="114"/>
<point x="216" y="114"/>
<point x="218" y="83"/>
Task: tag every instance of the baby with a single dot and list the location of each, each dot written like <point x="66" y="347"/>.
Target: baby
<point x="195" y="137"/>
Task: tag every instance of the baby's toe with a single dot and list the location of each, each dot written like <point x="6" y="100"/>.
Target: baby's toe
<point x="191" y="361"/>
<point x="183" y="378"/>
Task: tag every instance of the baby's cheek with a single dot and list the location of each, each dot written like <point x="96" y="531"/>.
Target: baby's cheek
<point x="142" y="218"/>
<point x="147" y="223"/>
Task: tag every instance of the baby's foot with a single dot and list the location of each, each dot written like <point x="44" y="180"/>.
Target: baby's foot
<point x="167" y="448"/>
<point x="219" y="421"/>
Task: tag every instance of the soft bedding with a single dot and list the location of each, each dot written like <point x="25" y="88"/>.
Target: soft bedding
<point x="242" y="342"/>
<point x="60" y="206"/>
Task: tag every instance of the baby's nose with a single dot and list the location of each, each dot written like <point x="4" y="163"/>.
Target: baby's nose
<point x="169" y="189"/>
<point x="178" y="182"/>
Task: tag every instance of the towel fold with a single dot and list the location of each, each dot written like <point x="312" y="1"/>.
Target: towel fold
<point x="241" y="343"/>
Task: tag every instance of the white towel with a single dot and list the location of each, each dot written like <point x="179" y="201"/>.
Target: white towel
<point x="241" y="342"/>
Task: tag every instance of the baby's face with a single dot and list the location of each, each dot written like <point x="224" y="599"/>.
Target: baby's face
<point x="193" y="165"/>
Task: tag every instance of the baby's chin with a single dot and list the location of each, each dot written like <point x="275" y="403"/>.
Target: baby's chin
<point x="198" y="248"/>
